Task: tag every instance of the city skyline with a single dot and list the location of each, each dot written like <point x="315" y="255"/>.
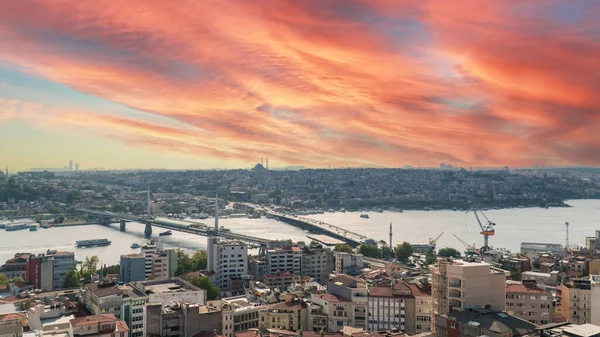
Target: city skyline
<point x="348" y="84"/>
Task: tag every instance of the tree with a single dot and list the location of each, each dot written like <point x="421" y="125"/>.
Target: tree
<point x="515" y="275"/>
<point x="16" y="279"/>
<point x="369" y="251"/>
<point x="449" y="252"/>
<point x="183" y="263"/>
<point x="387" y="252"/>
<point x="343" y="247"/>
<point x="90" y="265"/>
<point x="203" y="282"/>
<point x="3" y="279"/>
<point x="72" y="279"/>
<point x="403" y="251"/>
<point x="430" y="257"/>
<point x="114" y="269"/>
<point x="199" y="260"/>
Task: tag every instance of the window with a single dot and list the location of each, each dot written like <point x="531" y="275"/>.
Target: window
<point x="452" y="325"/>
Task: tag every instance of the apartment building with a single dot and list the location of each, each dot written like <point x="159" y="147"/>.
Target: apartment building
<point x="347" y="263"/>
<point x="391" y="307"/>
<point x="103" y="298"/>
<point x="421" y="290"/>
<point x="478" y="322"/>
<point x="148" y="250"/>
<point x="283" y="259"/>
<point x="15" y="267"/>
<point x="228" y="261"/>
<point x="330" y="312"/>
<point x="283" y="279"/>
<point x="576" y="301"/>
<point x="461" y="284"/>
<point x="48" y="271"/>
<point x="105" y="325"/>
<point x="177" y="319"/>
<point x="289" y="315"/>
<point x="530" y="301"/>
<point x="317" y="262"/>
<point x="354" y="289"/>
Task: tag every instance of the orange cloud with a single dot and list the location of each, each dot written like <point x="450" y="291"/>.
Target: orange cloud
<point x="352" y="82"/>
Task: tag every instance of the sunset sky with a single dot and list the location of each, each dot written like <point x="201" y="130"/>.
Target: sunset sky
<point x="222" y="83"/>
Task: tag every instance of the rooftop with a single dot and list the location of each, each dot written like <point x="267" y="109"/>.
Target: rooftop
<point x="498" y="322"/>
<point x="92" y="320"/>
<point x="332" y="298"/>
<point x="103" y="290"/>
<point x="522" y="288"/>
<point x="348" y="281"/>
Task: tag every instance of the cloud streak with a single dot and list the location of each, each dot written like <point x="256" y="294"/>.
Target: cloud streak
<point x="344" y="82"/>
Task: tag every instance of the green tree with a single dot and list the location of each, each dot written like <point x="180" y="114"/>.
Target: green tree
<point x="114" y="269"/>
<point x="90" y="265"/>
<point x="403" y="251"/>
<point x="387" y="252"/>
<point x="449" y="252"/>
<point x="343" y="247"/>
<point x="203" y="282"/>
<point x="3" y="279"/>
<point x="72" y="279"/>
<point x="369" y="251"/>
<point x="515" y="275"/>
<point x="183" y="263"/>
<point x="430" y="257"/>
<point x="54" y="210"/>
<point x="199" y="260"/>
<point x="73" y="195"/>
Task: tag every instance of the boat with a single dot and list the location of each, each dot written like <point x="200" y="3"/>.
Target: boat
<point x="135" y="245"/>
<point x="33" y="227"/>
<point x="45" y="224"/>
<point x="364" y="216"/>
<point x="165" y="233"/>
<point x="93" y="242"/>
<point x="16" y="227"/>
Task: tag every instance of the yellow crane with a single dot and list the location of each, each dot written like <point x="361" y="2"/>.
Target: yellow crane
<point x="469" y="249"/>
<point x="487" y="229"/>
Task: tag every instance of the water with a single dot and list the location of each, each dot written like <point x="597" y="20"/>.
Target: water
<point x="513" y="227"/>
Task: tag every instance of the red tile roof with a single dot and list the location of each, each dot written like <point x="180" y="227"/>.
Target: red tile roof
<point x="12" y="316"/>
<point x="92" y="320"/>
<point x="333" y="298"/>
<point x="103" y="291"/>
<point x="521" y="288"/>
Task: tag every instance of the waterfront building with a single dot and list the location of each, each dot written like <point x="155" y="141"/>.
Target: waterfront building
<point x="530" y="301"/>
<point x="391" y="307"/>
<point x="530" y="249"/>
<point x="48" y="271"/>
<point x="228" y="263"/>
<point x="317" y="262"/>
<point x="148" y="250"/>
<point x="133" y="268"/>
<point x="347" y="263"/>
<point x="15" y="267"/>
<point x="457" y="285"/>
<point x="104" y="325"/>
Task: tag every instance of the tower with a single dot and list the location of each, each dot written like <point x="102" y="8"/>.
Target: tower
<point x="267" y="163"/>
<point x="70" y="165"/>
<point x="148" y="211"/>
<point x="217" y="214"/>
<point x="76" y="166"/>
<point x="567" y="241"/>
<point x="391" y="235"/>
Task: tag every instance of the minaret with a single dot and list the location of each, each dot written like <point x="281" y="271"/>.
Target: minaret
<point x="217" y="214"/>
<point x="567" y="242"/>
<point x="391" y="236"/>
<point x="267" y="163"/>
<point x="148" y="211"/>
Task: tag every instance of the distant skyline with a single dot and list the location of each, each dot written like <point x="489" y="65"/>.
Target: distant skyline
<point x="207" y="84"/>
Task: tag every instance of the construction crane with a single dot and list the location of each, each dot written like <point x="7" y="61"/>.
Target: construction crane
<point x="469" y="249"/>
<point x="433" y="241"/>
<point x="487" y="230"/>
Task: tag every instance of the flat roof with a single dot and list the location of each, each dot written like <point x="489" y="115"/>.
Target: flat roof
<point x="170" y="287"/>
<point x="583" y="330"/>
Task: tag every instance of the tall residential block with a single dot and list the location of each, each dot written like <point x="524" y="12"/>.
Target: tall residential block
<point x="457" y="285"/>
<point x="530" y="301"/>
<point x="228" y="262"/>
<point x="133" y="268"/>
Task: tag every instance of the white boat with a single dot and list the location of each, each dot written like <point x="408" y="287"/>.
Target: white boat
<point x="364" y="216"/>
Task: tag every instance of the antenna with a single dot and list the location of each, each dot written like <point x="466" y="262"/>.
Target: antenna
<point x="567" y="241"/>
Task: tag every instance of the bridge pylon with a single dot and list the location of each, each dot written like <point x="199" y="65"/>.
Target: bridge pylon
<point x="148" y="230"/>
<point x="122" y="225"/>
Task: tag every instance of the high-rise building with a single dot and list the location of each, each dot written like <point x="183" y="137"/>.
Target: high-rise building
<point x="148" y="250"/>
<point x="133" y="268"/>
<point x="70" y="165"/>
<point x="76" y="166"/>
<point x="48" y="271"/>
<point x="317" y="262"/>
<point x="421" y="290"/>
<point x="228" y="262"/>
<point x="461" y="284"/>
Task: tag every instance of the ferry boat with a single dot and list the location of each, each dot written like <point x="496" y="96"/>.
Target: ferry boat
<point x="135" y="245"/>
<point x="364" y="216"/>
<point x="94" y="242"/>
<point x="165" y="233"/>
<point x="33" y="227"/>
<point x="16" y="226"/>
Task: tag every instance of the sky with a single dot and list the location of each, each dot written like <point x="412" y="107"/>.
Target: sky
<point x="349" y="83"/>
